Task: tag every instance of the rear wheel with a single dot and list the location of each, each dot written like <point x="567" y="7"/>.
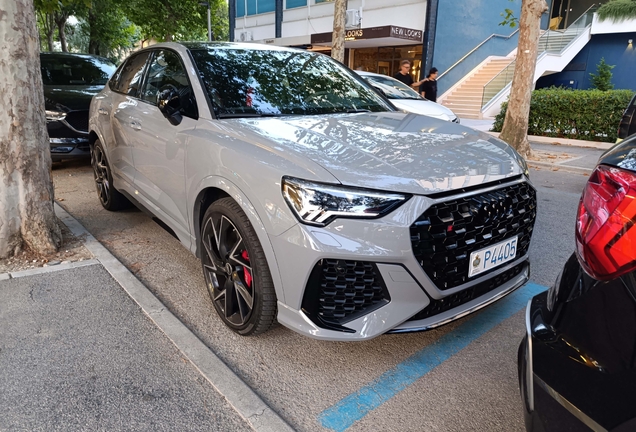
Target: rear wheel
<point x="235" y="269"/>
<point x="110" y="197"/>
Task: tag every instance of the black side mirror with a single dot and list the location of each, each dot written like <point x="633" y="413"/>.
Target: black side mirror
<point x="169" y="103"/>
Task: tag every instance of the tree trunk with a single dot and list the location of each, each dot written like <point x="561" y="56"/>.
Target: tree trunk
<point x="62" y="32"/>
<point x="26" y="191"/>
<point x="60" y="22"/>
<point x="48" y="24"/>
<point x="338" y="38"/>
<point x="515" y="127"/>
<point x="93" y="41"/>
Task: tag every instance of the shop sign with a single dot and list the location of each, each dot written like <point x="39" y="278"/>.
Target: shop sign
<point x="372" y="33"/>
<point x="351" y="35"/>
<point x="406" y="33"/>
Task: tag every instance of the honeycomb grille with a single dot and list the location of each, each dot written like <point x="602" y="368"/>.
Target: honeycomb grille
<point x="464" y="296"/>
<point x="78" y="120"/>
<point x="447" y="233"/>
<point x="341" y="290"/>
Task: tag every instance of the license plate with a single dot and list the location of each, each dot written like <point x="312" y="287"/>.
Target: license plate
<point x="492" y="256"/>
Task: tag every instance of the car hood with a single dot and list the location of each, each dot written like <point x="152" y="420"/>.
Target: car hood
<point x="389" y="150"/>
<point x="69" y="98"/>
<point x="424" y="107"/>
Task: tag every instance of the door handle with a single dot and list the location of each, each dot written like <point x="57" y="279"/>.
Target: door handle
<point x="102" y="111"/>
<point x="135" y="125"/>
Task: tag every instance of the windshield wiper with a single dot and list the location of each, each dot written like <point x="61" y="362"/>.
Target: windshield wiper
<point x="358" y="110"/>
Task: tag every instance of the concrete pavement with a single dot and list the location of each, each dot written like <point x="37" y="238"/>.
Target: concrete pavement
<point x="77" y="352"/>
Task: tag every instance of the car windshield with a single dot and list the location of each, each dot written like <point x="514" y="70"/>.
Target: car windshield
<point x="72" y="70"/>
<point x="392" y="88"/>
<point x="261" y="82"/>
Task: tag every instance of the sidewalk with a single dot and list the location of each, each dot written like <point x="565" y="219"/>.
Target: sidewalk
<point x="85" y="346"/>
<point x="555" y="153"/>
<point x="486" y="125"/>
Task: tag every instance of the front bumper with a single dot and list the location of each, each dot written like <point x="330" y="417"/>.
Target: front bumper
<point x="69" y="141"/>
<point x="387" y="244"/>
<point x="69" y="148"/>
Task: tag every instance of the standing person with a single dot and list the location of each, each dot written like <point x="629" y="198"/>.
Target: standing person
<point x="404" y="74"/>
<point x="428" y="89"/>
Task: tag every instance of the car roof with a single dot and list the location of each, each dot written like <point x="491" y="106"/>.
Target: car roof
<point x="62" y="55"/>
<point x="194" y="46"/>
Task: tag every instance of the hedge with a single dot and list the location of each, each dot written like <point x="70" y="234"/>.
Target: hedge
<point x="591" y="115"/>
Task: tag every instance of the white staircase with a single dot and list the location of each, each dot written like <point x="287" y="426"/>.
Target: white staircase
<point x="481" y="93"/>
<point x="465" y="100"/>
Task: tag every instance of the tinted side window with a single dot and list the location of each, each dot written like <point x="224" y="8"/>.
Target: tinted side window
<point x="128" y="78"/>
<point x="75" y="70"/>
<point x="167" y="70"/>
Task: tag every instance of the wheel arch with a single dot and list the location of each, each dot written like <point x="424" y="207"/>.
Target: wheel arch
<point x="92" y="137"/>
<point x="215" y="188"/>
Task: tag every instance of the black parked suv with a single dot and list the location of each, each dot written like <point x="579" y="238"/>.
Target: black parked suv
<point x="70" y="82"/>
<point x="577" y="363"/>
<point x="627" y="126"/>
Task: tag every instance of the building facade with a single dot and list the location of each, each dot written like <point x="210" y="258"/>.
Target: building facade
<point x="464" y="39"/>
<point x="611" y="41"/>
<point x="379" y="33"/>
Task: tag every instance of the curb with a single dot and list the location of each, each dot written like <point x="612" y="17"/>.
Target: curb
<point x="564" y="141"/>
<point x="238" y="394"/>
<point x="50" y="269"/>
<point x="567" y="168"/>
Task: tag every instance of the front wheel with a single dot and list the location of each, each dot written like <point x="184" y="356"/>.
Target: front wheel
<point x="110" y="197"/>
<point x="235" y="269"/>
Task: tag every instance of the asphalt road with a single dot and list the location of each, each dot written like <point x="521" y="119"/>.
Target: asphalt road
<point x="461" y="377"/>
<point x="76" y="354"/>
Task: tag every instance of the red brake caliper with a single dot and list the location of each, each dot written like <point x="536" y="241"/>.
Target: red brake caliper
<point x="246" y="272"/>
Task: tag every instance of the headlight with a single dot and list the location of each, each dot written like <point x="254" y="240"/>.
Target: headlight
<point x="319" y="204"/>
<point x="55" y="115"/>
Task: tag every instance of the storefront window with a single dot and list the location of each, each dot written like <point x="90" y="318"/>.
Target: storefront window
<point x="386" y="60"/>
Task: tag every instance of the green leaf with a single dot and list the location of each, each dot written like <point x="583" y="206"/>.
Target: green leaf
<point x="566" y="113"/>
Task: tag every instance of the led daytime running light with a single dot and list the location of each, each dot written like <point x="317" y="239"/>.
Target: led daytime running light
<point x="319" y="204"/>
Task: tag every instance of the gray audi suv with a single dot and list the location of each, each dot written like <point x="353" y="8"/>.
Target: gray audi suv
<point x="308" y="198"/>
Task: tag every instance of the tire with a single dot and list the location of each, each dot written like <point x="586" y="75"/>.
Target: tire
<point x="110" y="197"/>
<point x="235" y="269"/>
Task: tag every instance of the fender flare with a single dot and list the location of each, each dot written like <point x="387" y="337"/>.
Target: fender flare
<point x="235" y="192"/>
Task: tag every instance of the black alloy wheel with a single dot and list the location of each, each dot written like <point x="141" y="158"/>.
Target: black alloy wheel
<point x="235" y="269"/>
<point x="110" y="197"/>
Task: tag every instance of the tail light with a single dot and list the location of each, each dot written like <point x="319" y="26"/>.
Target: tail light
<point x="605" y="232"/>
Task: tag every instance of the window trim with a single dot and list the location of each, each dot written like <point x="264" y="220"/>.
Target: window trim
<point x="144" y="70"/>
<point x="151" y="57"/>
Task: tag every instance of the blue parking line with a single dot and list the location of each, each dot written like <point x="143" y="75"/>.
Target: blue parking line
<point x="354" y="407"/>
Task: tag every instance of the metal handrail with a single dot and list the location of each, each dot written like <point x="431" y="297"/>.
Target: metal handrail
<point x="494" y="35"/>
<point x="540" y="56"/>
<point x="583" y="15"/>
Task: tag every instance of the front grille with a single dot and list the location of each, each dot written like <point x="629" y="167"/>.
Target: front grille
<point x="78" y="120"/>
<point x="446" y="234"/>
<point x="339" y="291"/>
<point x="464" y="296"/>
